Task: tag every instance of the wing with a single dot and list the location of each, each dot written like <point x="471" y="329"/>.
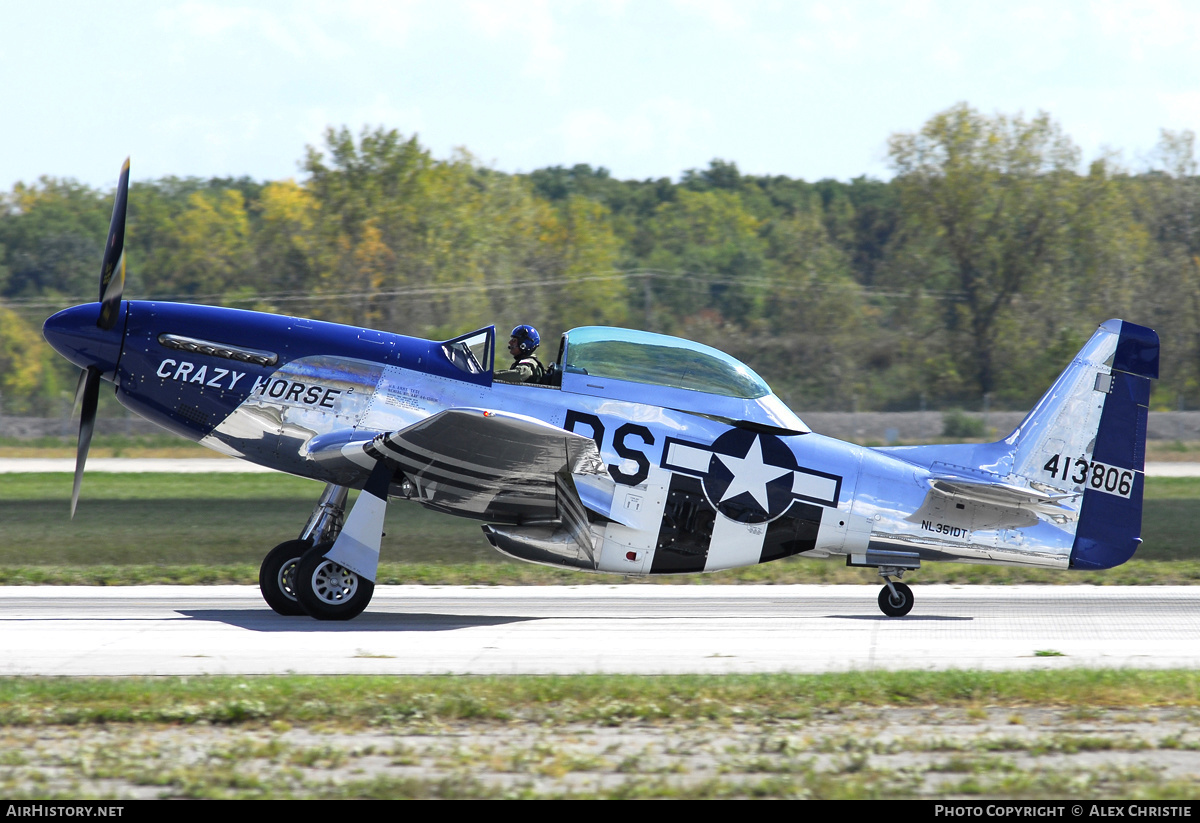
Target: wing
<point x="506" y="469"/>
<point x="494" y="466"/>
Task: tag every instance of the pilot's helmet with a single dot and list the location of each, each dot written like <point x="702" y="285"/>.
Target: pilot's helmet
<point x="527" y="338"/>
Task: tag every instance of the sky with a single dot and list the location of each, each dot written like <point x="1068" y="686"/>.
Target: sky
<point x="644" y="88"/>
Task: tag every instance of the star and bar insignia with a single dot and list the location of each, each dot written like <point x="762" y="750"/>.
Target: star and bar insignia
<point x="749" y="476"/>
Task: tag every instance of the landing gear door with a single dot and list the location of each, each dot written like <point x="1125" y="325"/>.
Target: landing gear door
<point x="630" y="549"/>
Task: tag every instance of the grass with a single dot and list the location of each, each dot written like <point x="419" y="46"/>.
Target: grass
<point x="205" y="529"/>
<point x="853" y="735"/>
<point x="104" y="445"/>
<point x="351" y="702"/>
<point x="194" y="519"/>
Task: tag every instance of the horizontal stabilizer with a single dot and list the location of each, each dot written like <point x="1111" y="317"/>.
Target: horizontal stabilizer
<point x="996" y="494"/>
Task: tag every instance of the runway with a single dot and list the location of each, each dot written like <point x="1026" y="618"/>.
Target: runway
<point x="636" y="629"/>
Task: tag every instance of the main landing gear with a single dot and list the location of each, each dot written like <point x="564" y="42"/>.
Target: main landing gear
<point x="277" y="577"/>
<point x="296" y="578"/>
<point x="328" y="591"/>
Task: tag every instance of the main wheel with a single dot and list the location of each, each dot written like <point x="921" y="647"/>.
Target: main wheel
<point x="277" y="575"/>
<point x="328" y="591"/>
<point x="896" y="605"/>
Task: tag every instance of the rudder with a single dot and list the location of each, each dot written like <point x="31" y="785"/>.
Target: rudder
<point x="1109" y="526"/>
<point x="1088" y="434"/>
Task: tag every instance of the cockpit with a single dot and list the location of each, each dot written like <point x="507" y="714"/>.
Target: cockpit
<point x="642" y="367"/>
<point x="654" y="369"/>
<point x="657" y="360"/>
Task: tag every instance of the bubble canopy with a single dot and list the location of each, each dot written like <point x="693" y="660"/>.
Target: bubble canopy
<point x="659" y="360"/>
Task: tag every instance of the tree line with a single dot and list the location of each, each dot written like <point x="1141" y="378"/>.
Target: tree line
<point x="972" y="276"/>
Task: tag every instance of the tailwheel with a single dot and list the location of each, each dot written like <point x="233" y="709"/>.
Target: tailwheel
<point x="895" y="603"/>
<point x="328" y="590"/>
<point x="277" y="577"/>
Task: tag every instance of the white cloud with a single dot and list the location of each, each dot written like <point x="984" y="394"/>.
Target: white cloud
<point x="660" y="136"/>
<point x="594" y="133"/>
<point x="1143" y="29"/>
<point x="297" y="31"/>
<point x="530" y="24"/>
<point x="722" y="14"/>
<point x="648" y="88"/>
<point x="387" y="21"/>
<point x="1181" y="110"/>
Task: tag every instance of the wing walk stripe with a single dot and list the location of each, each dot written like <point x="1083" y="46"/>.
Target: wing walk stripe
<point x="409" y="458"/>
<point x="530" y="496"/>
<point x="495" y="466"/>
<point x="426" y="474"/>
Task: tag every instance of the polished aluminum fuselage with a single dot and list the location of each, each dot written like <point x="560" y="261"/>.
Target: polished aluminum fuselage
<point x="692" y="481"/>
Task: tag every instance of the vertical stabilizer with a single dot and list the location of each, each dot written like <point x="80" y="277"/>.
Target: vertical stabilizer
<point x="1087" y="435"/>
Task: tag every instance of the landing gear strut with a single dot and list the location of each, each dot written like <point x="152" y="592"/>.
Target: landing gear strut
<point x="277" y="575"/>
<point x="896" y="599"/>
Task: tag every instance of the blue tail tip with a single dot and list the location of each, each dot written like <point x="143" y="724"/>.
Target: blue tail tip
<point x="1137" y="348"/>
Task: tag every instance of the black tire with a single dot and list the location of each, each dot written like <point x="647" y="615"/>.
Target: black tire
<point x="277" y="574"/>
<point x="900" y="605"/>
<point x="326" y="590"/>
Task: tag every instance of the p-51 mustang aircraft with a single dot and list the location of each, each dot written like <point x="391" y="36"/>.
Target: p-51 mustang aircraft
<point x="639" y="454"/>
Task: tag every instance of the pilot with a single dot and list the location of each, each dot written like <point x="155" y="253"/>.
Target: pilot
<point x="526" y="368"/>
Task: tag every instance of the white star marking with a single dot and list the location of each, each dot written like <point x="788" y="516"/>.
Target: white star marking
<point x="751" y="474"/>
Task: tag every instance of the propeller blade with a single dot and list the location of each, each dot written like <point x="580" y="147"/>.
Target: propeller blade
<point x="112" y="272"/>
<point x="87" y="393"/>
